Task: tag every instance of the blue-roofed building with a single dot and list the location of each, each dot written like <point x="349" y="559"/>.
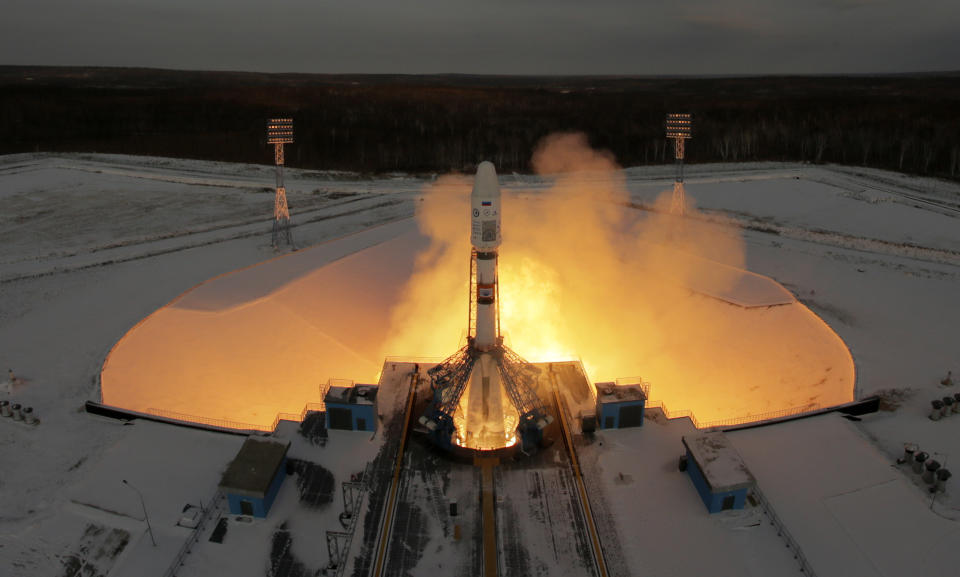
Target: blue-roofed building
<point x="620" y="406"/>
<point x="352" y="408"/>
<point x="717" y="471"/>
<point x="252" y="480"/>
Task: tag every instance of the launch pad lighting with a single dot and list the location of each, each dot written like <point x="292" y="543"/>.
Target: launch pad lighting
<point x="280" y="132"/>
<point x="679" y="128"/>
<point x="679" y="125"/>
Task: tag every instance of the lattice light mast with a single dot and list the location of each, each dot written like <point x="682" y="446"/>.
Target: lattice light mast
<point x="679" y="128"/>
<point x="280" y="132"/>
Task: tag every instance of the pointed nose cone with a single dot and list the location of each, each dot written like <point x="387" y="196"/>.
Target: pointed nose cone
<point x="485" y="184"/>
<point x="485" y="209"/>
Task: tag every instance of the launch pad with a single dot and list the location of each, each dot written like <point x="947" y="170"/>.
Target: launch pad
<point x="517" y="513"/>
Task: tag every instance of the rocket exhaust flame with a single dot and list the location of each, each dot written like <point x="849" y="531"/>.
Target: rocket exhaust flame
<point x="582" y="275"/>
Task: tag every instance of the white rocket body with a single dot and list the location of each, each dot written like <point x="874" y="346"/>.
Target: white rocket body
<point x="485" y="237"/>
<point x="485" y="205"/>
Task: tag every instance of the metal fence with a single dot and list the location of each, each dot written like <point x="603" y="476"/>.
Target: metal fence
<point x="351" y="529"/>
<point x="222" y="423"/>
<point x="733" y="421"/>
<point x="237" y="425"/>
<point x="298" y="418"/>
<point x="211" y="513"/>
<point x="784" y="534"/>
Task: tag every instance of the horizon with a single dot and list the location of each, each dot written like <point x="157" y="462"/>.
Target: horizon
<point x="719" y="76"/>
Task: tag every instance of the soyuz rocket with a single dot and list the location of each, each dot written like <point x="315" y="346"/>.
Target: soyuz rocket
<point x="485" y="238"/>
<point x="484" y="395"/>
<point x="484" y="400"/>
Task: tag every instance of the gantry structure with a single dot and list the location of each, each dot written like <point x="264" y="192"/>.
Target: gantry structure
<point x="449" y="380"/>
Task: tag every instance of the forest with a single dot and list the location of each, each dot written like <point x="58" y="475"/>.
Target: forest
<point x="428" y="124"/>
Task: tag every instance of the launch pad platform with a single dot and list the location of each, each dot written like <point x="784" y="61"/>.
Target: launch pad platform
<point x="538" y="522"/>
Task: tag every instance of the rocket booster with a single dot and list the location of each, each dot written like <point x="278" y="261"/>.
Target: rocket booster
<point x="485" y="237"/>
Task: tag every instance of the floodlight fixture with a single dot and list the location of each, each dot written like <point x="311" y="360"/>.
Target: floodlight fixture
<point x="679" y="128"/>
<point x="679" y="125"/>
<point x="280" y="131"/>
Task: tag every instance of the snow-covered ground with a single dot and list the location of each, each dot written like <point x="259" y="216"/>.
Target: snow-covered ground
<point x="851" y="511"/>
<point x="93" y="244"/>
<point x="663" y="526"/>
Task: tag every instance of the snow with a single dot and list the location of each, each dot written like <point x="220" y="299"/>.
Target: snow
<point x="663" y="526"/>
<point x="853" y="513"/>
<point x="719" y="462"/>
<point x="170" y="467"/>
<point x="874" y="254"/>
<point x="540" y="530"/>
<point x="615" y="393"/>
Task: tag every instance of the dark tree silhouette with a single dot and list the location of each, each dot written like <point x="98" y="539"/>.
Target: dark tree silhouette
<point x="442" y="123"/>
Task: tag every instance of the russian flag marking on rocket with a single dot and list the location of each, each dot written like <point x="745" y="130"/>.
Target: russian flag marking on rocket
<point x="485" y="203"/>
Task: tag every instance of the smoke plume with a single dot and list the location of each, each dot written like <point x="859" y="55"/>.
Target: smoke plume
<point x="584" y="274"/>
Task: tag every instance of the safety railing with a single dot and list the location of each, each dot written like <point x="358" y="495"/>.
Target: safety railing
<point x="734" y="421"/>
<point x="212" y="512"/>
<point x="423" y="360"/>
<point x="221" y="423"/>
<point x="298" y="418"/>
<point x="237" y="425"/>
<point x="783" y="532"/>
<point x="351" y="528"/>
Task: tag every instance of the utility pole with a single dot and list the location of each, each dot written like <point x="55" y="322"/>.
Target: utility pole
<point x="145" y="516"/>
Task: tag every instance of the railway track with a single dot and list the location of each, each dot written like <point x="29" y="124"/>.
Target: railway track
<point x="391" y="505"/>
<point x="584" y="499"/>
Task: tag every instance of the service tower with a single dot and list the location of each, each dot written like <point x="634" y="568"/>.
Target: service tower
<point x="484" y="395"/>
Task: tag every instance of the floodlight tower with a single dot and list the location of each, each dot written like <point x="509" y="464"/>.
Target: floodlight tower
<point x="280" y="132"/>
<point x="679" y="128"/>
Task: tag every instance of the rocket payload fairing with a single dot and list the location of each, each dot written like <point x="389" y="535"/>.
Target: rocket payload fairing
<point x="485" y="237"/>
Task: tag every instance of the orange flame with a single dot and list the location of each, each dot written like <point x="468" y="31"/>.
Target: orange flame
<point x="582" y="275"/>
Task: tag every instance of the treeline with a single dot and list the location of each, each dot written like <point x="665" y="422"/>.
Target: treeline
<point x="909" y="123"/>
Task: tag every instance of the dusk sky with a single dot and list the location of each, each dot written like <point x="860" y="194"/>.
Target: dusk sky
<point x="489" y="36"/>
